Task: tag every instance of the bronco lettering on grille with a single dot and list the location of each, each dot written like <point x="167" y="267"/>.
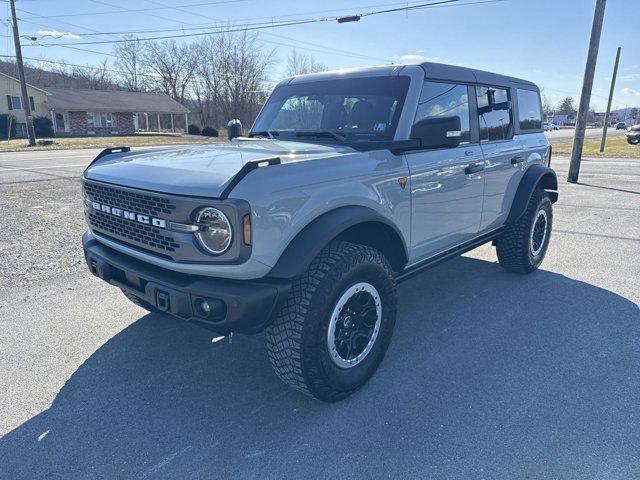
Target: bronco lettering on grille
<point x="136" y="217"/>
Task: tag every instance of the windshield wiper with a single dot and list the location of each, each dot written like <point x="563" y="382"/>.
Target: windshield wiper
<point x="268" y="133"/>
<point x="322" y="133"/>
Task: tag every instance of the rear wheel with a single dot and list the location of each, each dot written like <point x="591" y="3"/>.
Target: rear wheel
<point x="336" y="325"/>
<point x="633" y="140"/>
<point x="522" y="247"/>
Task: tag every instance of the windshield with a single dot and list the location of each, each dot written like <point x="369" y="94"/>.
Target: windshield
<point x="347" y="109"/>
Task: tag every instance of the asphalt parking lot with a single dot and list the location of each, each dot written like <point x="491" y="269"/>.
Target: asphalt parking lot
<point x="489" y="375"/>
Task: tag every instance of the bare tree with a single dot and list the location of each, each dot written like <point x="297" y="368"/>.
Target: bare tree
<point x="172" y="65"/>
<point x="232" y="77"/>
<point x="130" y="61"/>
<point x="96" y="78"/>
<point x="300" y="64"/>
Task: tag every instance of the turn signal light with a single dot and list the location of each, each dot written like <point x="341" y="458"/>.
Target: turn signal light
<point x="246" y="229"/>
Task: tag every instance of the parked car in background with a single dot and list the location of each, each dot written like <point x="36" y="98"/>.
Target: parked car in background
<point x="548" y="126"/>
<point x="621" y="126"/>
<point x="633" y="135"/>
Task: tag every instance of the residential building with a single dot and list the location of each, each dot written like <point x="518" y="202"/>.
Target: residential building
<point x="78" y="112"/>
<point x="12" y="105"/>
<point x="114" y="112"/>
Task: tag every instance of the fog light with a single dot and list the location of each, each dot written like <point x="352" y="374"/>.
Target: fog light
<point x="203" y="308"/>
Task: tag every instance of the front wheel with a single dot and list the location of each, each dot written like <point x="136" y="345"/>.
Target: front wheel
<point x="523" y="245"/>
<point x="633" y="140"/>
<point x="336" y="325"/>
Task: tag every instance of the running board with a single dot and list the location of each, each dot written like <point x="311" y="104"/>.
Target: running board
<point x="447" y="255"/>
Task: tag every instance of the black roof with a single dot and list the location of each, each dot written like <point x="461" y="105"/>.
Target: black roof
<point x="437" y="71"/>
<point x="112" y="101"/>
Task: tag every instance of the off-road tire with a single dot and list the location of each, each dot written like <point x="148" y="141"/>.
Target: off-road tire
<point x="139" y="302"/>
<point x="297" y="340"/>
<point x="514" y="245"/>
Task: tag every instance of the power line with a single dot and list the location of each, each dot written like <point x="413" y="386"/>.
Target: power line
<point x="269" y="20"/>
<point x="134" y="10"/>
<point x="264" y="25"/>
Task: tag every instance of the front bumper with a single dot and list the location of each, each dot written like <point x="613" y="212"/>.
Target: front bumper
<point x="245" y="306"/>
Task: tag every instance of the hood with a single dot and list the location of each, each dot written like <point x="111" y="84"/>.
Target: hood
<point x="201" y="171"/>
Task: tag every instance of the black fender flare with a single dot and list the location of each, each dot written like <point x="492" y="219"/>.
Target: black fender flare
<point x="308" y="243"/>
<point x="534" y="177"/>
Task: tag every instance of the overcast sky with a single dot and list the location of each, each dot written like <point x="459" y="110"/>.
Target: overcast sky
<point x="541" y="40"/>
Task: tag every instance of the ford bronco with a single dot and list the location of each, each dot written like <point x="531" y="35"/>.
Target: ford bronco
<point x="347" y="183"/>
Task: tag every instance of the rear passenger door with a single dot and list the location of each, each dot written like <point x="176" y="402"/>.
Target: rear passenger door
<point x="446" y="183"/>
<point x="503" y="152"/>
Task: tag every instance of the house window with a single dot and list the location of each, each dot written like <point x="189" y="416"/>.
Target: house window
<point x="14" y="102"/>
<point x="101" y="119"/>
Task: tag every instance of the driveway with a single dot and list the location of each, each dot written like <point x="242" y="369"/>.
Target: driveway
<point x="489" y="374"/>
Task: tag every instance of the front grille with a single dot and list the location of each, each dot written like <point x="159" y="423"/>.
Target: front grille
<point x="136" y="202"/>
<point x="145" y="235"/>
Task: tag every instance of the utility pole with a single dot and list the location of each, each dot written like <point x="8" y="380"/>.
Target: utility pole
<point x="587" y="86"/>
<point x="613" y="86"/>
<point x="23" y="83"/>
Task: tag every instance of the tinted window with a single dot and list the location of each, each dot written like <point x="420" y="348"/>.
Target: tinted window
<point x="494" y="113"/>
<point x="357" y="108"/>
<point x="529" y="112"/>
<point x="445" y="100"/>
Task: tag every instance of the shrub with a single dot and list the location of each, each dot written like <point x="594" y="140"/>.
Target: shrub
<point x="5" y="120"/>
<point x="194" y="129"/>
<point x="209" y="131"/>
<point x="43" y="127"/>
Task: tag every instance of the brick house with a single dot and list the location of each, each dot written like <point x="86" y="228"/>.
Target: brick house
<point x="113" y="112"/>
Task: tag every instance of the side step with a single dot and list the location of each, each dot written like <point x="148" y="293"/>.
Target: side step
<point x="447" y="255"/>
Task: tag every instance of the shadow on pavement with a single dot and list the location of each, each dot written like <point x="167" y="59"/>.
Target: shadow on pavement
<point x="489" y="375"/>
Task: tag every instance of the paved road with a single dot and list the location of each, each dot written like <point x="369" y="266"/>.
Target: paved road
<point x="565" y="134"/>
<point x="489" y="375"/>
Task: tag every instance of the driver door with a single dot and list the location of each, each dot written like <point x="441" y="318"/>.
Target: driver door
<point x="447" y="184"/>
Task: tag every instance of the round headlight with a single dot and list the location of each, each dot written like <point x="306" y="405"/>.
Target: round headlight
<point x="215" y="230"/>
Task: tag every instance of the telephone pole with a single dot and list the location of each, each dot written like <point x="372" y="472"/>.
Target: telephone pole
<point x="587" y="86"/>
<point x="23" y="83"/>
<point x="606" y="115"/>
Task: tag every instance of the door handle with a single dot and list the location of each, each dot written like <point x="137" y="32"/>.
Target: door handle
<point x="516" y="160"/>
<point x="473" y="168"/>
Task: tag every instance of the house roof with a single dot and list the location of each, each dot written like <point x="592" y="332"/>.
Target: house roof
<point x="28" y="84"/>
<point x="112" y="101"/>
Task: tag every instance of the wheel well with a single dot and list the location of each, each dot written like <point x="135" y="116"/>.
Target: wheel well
<point x="380" y="236"/>
<point x="549" y="182"/>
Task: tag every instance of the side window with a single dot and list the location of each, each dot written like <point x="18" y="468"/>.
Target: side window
<point x="445" y="100"/>
<point x="529" y="112"/>
<point x="494" y="114"/>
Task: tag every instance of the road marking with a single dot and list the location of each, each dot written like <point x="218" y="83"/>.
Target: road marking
<point x="5" y="169"/>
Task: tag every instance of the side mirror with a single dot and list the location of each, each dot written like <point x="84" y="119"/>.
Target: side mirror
<point x="438" y="132"/>
<point x="234" y="129"/>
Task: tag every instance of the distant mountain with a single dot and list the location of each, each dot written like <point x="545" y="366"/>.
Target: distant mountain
<point x="61" y="78"/>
